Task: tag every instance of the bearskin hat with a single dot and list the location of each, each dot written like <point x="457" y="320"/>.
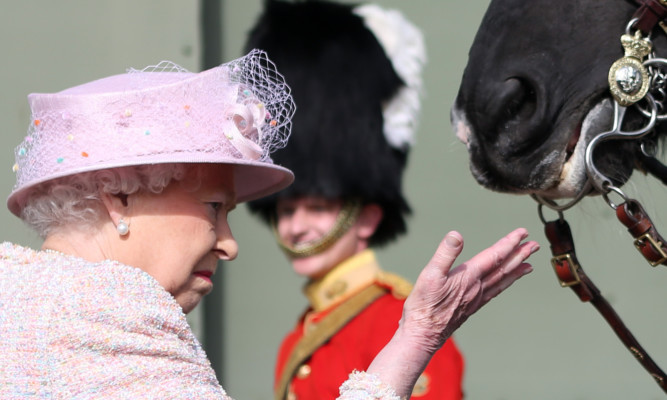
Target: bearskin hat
<point x="355" y="74"/>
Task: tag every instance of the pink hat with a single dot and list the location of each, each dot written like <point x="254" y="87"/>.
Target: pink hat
<point x="236" y="113"/>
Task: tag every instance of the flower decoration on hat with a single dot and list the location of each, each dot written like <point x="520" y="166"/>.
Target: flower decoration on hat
<point x="248" y="117"/>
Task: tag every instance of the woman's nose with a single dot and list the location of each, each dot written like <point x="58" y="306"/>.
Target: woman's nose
<point x="227" y="249"/>
<point x="226" y="246"/>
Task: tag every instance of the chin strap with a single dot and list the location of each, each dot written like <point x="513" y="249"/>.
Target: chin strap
<point x="346" y="218"/>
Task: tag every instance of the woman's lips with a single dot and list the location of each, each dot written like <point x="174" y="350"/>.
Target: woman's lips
<point x="205" y="275"/>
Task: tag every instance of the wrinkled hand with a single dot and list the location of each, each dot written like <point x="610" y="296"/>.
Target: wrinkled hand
<point x="443" y="298"/>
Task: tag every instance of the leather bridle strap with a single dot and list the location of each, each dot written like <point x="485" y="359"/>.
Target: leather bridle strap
<point x="649" y="14"/>
<point x="647" y="239"/>
<point x="571" y="274"/>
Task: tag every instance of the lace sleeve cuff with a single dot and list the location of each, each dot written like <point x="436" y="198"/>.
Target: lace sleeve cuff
<point x="363" y="386"/>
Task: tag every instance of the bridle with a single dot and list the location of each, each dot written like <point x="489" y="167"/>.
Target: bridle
<point x="639" y="80"/>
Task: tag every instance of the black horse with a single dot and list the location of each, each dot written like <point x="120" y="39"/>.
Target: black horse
<point x="551" y="104"/>
<point x="535" y="93"/>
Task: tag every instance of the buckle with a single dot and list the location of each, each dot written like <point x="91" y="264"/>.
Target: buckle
<point x="569" y="278"/>
<point x="657" y="247"/>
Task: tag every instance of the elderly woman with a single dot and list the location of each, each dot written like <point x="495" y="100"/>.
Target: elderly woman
<point x="129" y="180"/>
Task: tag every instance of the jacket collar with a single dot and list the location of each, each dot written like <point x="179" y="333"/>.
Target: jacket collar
<point x="343" y="281"/>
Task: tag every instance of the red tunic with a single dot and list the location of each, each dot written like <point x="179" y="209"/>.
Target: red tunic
<point x="355" y="345"/>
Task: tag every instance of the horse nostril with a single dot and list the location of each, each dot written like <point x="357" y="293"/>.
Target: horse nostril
<point x="510" y="110"/>
<point x="518" y="98"/>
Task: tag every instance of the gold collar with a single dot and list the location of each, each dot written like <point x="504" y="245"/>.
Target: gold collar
<point x="343" y="281"/>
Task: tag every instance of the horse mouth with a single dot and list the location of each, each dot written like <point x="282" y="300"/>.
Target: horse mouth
<point x="558" y="173"/>
<point x="572" y="143"/>
<point x="573" y="173"/>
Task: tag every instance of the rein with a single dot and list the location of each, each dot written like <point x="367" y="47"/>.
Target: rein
<point x="636" y="77"/>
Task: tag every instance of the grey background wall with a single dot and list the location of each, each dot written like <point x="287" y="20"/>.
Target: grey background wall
<point x="536" y="341"/>
<point x="49" y="46"/>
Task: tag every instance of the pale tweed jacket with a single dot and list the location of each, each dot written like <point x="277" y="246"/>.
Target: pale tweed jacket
<point x="71" y="329"/>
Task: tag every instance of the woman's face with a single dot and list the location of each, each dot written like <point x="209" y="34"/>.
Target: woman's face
<point x="179" y="235"/>
<point x="306" y="219"/>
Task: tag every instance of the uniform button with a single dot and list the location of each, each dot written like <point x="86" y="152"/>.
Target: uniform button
<point x="291" y="396"/>
<point x="303" y="372"/>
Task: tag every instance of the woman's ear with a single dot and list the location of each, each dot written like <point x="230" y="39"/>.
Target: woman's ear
<point x="368" y="220"/>
<point x="116" y="206"/>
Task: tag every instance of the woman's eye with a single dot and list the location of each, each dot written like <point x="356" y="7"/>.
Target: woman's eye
<point x="215" y="206"/>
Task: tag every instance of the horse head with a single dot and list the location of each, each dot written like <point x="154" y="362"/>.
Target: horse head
<point x="535" y="92"/>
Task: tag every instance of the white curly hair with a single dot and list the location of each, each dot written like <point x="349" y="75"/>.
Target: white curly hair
<point x="76" y="201"/>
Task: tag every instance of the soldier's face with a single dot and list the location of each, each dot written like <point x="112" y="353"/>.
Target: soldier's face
<point x="303" y="220"/>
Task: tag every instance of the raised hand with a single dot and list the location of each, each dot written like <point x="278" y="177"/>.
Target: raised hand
<point x="443" y="298"/>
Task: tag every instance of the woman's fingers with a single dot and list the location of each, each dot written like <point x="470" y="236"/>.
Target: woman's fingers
<point x="490" y="259"/>
<point x="493" y="266"/>
<point x="502" y="264"/>
<point x="443" y="298"/>
<point x="445" y="255"/>
<point x="507" y="268"/>
<point x="493" y="291"/>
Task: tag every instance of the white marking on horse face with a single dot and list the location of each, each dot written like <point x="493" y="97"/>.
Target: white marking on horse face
<point x="573" y="174"/>
<point x="461" y="126"/>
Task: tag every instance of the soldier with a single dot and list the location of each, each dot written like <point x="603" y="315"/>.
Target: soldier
<point x="355" y="73"/>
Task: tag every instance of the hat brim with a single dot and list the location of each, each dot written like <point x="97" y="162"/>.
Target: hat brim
<point x="256" y="180"/>
<point x="252" y="179"/>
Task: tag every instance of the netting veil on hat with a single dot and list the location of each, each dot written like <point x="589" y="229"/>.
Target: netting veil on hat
<point x="236" y="113"/>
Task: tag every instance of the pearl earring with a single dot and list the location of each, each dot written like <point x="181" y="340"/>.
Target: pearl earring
<point x="123" y="228"/>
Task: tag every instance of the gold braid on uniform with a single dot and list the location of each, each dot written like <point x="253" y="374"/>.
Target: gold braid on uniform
<point x="346" y="218"/>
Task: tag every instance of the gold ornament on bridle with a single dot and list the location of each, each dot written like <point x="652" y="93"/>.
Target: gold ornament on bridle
<point x="346" y="218"/>
<point x="628" y="77"/>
